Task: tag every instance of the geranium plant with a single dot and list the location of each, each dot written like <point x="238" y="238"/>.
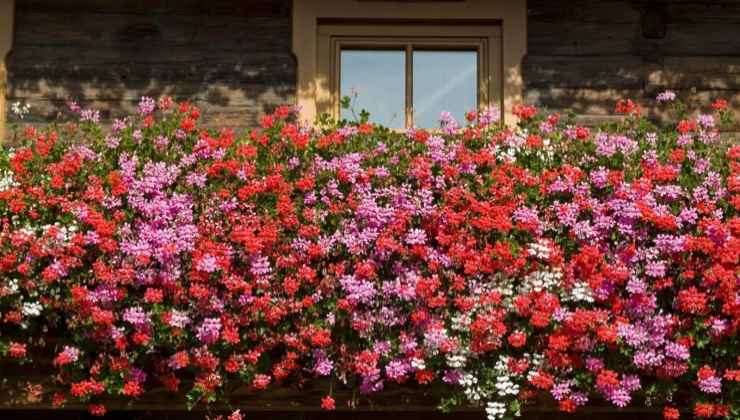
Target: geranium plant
<point x="548" y="262"/>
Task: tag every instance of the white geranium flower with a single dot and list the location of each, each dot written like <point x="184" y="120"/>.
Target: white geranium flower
<point x="7" y="181"/>
<point x="13" y="286"/>
<point x="581" y="292"/>
<point x="30" y="309"/>
<point x="418" y="363"/>
<point x="456" y="361"/>
<point x="20" y="109"/>
<point x="495" y="410"/>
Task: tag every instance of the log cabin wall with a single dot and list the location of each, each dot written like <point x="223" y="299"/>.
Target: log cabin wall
<point x="231" y="58"/>
<point x="234" y="59"/>
<point x="585" y="54"/>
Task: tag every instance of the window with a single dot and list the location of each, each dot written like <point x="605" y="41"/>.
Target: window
<point x="7" y="15"/>
<point x="409" y="86"/>
<point x="406" y="77"/>
<point x="444" y="81"/>
<point x="399" y="54"/>
<point x="376" y="81"/>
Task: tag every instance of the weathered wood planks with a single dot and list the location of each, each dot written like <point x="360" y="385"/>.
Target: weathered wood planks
<point x="586" y="54"/>
<point x="233" y="58"/>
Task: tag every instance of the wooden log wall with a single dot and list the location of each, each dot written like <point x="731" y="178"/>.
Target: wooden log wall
<point x="584" y="54"/>
<point x="231" y="58"/>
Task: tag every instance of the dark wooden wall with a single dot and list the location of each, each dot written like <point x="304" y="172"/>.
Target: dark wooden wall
<point x="234" y="59"/>
<point x="585" y="53"/>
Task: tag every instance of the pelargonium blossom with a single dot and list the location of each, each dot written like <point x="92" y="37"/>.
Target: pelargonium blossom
<point x="509" y="264"/>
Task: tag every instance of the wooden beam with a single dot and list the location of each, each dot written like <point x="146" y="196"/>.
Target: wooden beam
<point x="7" y="17"/>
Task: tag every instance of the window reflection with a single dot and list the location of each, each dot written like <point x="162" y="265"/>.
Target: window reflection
<point x="444" y="81"/>
<point x="375" y="80"/>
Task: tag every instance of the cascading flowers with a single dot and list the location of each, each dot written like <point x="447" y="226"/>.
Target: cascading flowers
<point x="550" y="263"/>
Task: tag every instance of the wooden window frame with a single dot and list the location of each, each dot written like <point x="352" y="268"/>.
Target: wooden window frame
<point x="7" y="17"/>
<point x="482" y="37"/>
<point x="313" y="91"/>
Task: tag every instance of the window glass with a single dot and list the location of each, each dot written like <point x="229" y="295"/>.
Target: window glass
<point x="376" y="82"/>
<point x="444" y="81"/>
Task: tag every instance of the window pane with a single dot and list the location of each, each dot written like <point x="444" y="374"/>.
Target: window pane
<point x="444" y="81"/>
<point x="376" y="81"/>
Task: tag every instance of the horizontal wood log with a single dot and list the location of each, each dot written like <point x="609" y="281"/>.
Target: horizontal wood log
<point x="596" y="106"/>
<point x="581" y="39"/>
<point x="235" y="58"/>
<point x="102" y="30"/>
<point x="598" y="101"/>
<point x="173" y="65"/>
<point x="616" y="72"/>
<point x="709" y="39"/>
<point x="729" y="64"/>
<point x="704" y="12"/>
<point x="269" y="8"/>
<point x="218" y="91"/>
<point x="232" y="59"/>
<point x="581" y="100"/>
<point x="584" y="55"/>
<point x="633" y="72"/>
<point x="581" y="11"/>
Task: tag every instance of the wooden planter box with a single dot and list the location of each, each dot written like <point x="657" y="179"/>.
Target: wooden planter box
<point x="290" y="402"/>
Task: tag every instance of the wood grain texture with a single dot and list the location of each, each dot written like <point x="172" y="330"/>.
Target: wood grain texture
<point x="270" y="8"/>
<point x="233" y="59"/>
<point x="584" y="55"/>
<point x="108" y="30"/>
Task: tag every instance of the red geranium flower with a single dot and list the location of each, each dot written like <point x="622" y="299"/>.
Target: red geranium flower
<point x="328" y="403"/>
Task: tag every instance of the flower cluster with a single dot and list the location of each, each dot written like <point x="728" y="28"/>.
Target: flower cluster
<point x="545" y="263"/>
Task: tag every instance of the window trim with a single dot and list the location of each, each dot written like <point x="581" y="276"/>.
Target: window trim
<point x="483" y="38"/>
<point x="312" y="88"/>
<point x="7" y="20"/>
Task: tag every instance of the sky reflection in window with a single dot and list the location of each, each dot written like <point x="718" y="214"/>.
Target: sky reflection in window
<point x="444" y="81"/>
<point x="376" y="81"/>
